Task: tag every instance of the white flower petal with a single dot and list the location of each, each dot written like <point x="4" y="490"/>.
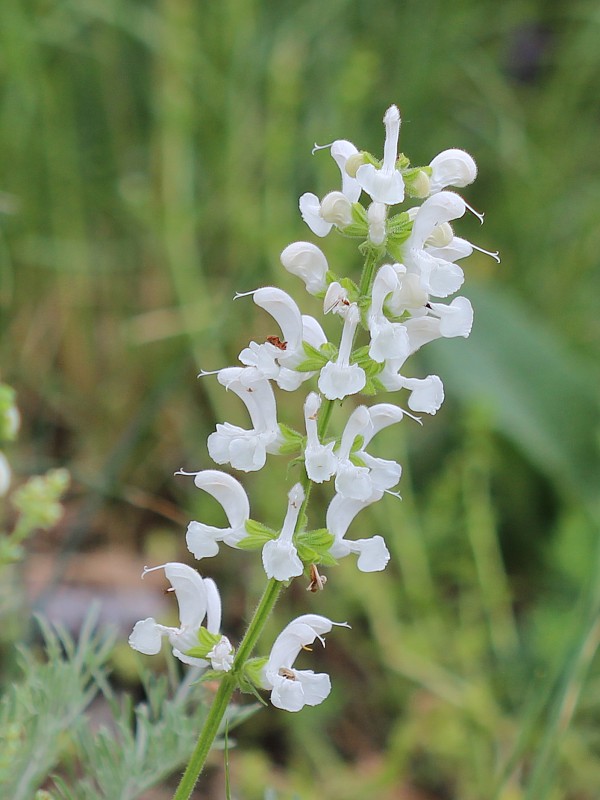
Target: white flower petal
<point x="373" y="555"/>
<point x="280" y="560"/>
<point x="284" y="310"/>
<point x="310" y="208"/>
<point x="221" y="655"/>
<point x="146" y="636"/>
<point x="337" y="381"/>
<point x="308" y="262"/>
<point x="190" y="592"/>
<point x="452" y="168"/>
<point x="341" y="150"/>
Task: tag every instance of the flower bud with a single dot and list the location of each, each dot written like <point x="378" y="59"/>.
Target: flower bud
<point x="337" y="209"/>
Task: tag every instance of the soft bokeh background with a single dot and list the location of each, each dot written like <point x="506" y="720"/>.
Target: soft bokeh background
<point x="153" y="154"/>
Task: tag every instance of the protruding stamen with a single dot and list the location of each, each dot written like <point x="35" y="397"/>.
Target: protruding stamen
<point x="495" y="255"/>
<point x="146" y="570"/>
<point x="320" y="147"/>
<point x="479" y="214"/>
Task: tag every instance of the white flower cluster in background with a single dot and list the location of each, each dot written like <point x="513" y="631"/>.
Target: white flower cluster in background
<point x="398" y="304"/>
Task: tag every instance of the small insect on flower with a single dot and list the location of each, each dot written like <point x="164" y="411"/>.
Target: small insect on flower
<point x="276" y="342"/>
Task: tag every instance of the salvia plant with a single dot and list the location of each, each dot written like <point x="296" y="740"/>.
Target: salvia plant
<point x="395" y="306"/>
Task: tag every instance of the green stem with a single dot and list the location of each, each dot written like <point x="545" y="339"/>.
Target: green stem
<point x="225" y="691"/>
<point x="366" y="279"/>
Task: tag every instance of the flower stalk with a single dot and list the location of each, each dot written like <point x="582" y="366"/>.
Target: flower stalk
<point x="396" y="304"/>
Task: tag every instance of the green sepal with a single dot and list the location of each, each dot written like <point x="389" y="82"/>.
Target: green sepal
<point x="402" y="162"/>
<point x="399" y="224"/>
<point x="258" y="535"/>
<point x="252" y="671"/>
<point x="316" y="359"/>
<point x="211" y="674"/>
<point x="313" y="547"/>
<point x="358" y="443"/>
<point x="292" y="440"/>
<point x="359" y="227"/>
<point x="354" y="231"/>
<point x="361" y="357"/>
<point x="359" y="214"/>
<point x="372" y="387"/>
<point x="329" y="350"/>
<point x="356" y="460"/>
<point x="206" y="642"/>
<point x="330" y="277"/>
<point x="370" y="159"/>
<point x="351" y="288"/>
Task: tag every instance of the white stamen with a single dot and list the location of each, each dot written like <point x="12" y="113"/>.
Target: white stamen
<point x="146" y="570"/>
<point x="320" y="147"/>
<point x="495" y="255"/>
<point x="479" y="214"/>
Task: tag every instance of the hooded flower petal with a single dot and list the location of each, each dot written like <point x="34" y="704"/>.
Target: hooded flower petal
<point x="202" y="540"/>
<point x="243" y="449"/>
<point x="308" y="262"/>
<point x="451" y="168"/>
<point x="342" y="150"/>
<point x="310" y="209"/>
<point x="388" y="339"/>
<point x="292" y="689"/>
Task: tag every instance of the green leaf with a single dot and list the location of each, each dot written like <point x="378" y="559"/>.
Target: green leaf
<point x="538" y="392"/>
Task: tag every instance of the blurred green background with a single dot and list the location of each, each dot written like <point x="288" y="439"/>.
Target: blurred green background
<point x="152" y="157"/>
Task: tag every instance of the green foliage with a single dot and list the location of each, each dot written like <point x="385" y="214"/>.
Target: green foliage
<point x="152" y="157"/>
<point x="37" y="713"/>
<point x="43" y="726"/>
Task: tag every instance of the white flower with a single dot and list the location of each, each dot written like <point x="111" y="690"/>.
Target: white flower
<point x="309" y="263"/>
<point x="336" y="300"/>
<point x="247" y="450"/>
<point x="279" y="556"/>
<point x="385" y="185"/>
<point x="388" y="339"/>
<point x="336" y="207"/>
<point x="202" y="540"/>
<point x="373" y="554"/>
<point x="438" y="276"/>
<point x="340" y="378"/>
<point x="451" y="168"/>
<point x="292" y="689"/>
<point x="276" y="358"/>
<point x="376" y="474"/>
<point x="198" y="598"/>
<point x="319" y="459"/>
<point x="221" y="655"/>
